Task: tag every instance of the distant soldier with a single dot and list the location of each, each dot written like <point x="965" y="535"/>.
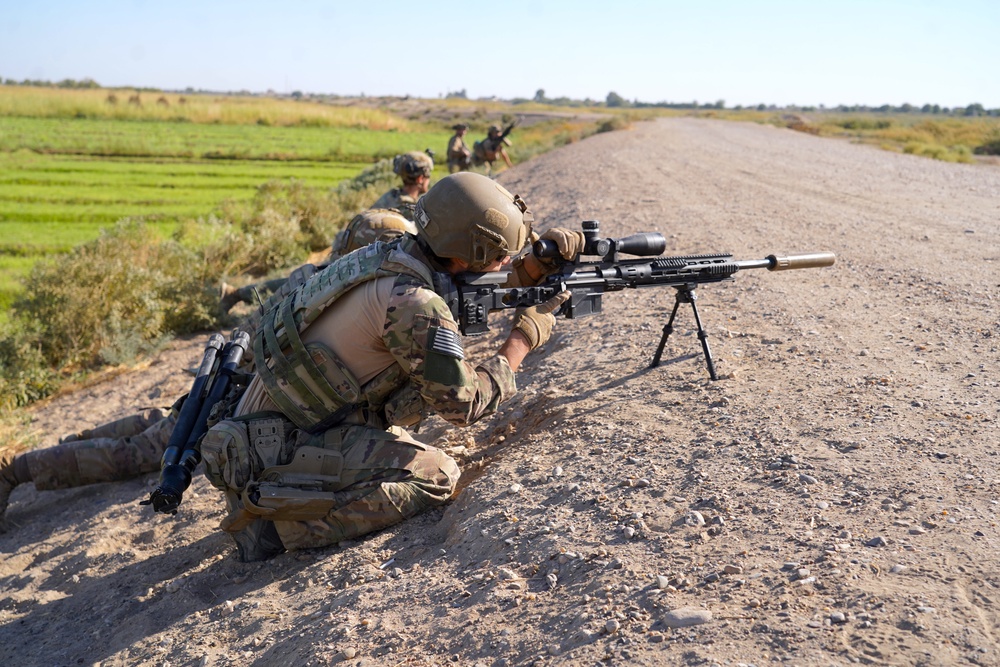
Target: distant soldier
<point x="487" y="150"/>
<point x="415" y="169"/>
<point x="459" y="155"/>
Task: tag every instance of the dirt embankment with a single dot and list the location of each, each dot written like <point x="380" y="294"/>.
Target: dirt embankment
<point x="832" y="500"/>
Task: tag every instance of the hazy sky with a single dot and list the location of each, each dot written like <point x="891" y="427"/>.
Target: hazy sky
<point x="742" y="51"/>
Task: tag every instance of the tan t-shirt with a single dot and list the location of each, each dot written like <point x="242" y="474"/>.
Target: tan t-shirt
<point x="356" y="340"/>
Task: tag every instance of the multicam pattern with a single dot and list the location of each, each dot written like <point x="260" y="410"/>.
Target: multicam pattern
<point x="460" y="392"/>
<point x="398" y="200"/>
<point x="119" y="450"/>
<point x="387" y="477"/>
<point x="375" y="224"/>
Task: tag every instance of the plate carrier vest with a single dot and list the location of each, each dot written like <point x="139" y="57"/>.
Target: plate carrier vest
<point x="307" y="381"/>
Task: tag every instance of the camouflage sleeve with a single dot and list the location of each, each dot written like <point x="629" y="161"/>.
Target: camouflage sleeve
<point x="423" y="338"/>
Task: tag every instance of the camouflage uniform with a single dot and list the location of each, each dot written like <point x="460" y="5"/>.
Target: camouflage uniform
<point x="485" y="152"/>
<point x="119" y="450"/>
<point x="459" y="155"/>
<point x="375" y="224"/>
<point x="380" y="324"/>
<point x="398" y="200"/>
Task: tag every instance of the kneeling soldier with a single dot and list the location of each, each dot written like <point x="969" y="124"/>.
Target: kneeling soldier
<point x="315" y="452"/>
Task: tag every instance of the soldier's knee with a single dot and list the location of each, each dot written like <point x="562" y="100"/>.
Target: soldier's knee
<point x="435" y="477"/>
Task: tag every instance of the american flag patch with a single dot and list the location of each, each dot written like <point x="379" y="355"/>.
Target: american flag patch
<point x="447" y="342"/>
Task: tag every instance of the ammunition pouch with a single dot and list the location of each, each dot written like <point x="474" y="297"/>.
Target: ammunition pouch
<point x="264" y="475"/>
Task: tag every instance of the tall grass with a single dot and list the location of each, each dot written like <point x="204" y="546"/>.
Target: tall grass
<point x="948" y="138"/>
<point x="111" y="104"/>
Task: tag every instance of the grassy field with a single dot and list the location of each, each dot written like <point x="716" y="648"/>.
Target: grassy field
<point x="80" y="164"/>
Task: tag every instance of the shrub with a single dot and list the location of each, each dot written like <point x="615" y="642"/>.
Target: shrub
<point x="114" y="297"/>
<point x="866" y="124"/>
<point x="25" y="373"/>
<point x="617" y="122"/>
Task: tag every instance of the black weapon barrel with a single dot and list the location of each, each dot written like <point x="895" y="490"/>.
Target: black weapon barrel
<point x="175" y="476"/>
<point x="192" y="404"/>
<point x="232" y="357"/>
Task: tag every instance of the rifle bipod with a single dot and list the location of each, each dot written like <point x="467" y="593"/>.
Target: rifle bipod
<point x="685" y="294"/>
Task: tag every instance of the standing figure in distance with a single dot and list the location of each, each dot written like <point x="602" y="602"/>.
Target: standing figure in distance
<point x="459" y="155"/>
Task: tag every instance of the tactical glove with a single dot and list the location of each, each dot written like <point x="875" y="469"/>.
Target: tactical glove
<point x="570" y="243"/>
<point x="536" y="322"/>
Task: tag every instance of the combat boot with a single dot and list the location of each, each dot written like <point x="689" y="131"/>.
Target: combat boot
<point x="8" y="480"/>
<point x="258" y="541"/>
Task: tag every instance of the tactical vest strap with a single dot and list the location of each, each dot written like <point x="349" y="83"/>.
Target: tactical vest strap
<point x="307" y="381"/>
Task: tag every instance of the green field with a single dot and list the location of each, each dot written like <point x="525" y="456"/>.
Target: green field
<point x="62" y="180"/>
<point x="124" y="138"/>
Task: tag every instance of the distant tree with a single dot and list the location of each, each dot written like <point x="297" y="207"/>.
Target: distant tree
<point x="459" y="94"/>
<point x="540" y="96"/>
<point x="975" y="110"/>
<point x="906" y="107"/>
<point x="761" y="107"/>
<point x="296" y="94"/>
<point x="616" y="100"/>
<point x="720" y="104"/>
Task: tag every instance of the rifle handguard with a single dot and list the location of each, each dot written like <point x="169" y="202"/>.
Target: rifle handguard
<point x="810" y="260"/>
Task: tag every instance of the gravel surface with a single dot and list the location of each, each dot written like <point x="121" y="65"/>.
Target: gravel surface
<point x="832" y="499"/>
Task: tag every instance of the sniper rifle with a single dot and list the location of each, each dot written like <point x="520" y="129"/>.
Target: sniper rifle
<point x="472" y="296"/>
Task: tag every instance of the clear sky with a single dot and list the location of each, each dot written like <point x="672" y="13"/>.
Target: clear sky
<point x="745" y="52"/>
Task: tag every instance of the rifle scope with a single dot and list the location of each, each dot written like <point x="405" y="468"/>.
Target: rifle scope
<point x="645" y="244"/>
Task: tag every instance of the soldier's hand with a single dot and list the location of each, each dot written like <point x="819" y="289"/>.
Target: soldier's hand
<point x="570" y="243"/>
<point x="536" y="322"/>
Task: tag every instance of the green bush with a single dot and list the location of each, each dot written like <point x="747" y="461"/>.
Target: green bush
<point x="114" y="297"/>
<point x="25" y="374"/>
<point x="958" y="153"/>
<point x="618" y="122"/>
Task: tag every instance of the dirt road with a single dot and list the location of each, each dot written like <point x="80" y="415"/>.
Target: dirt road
<point x="833" y="499"/>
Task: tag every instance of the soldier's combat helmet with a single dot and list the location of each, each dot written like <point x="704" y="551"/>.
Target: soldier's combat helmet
<point x="412" y="165"/>
<point x="470" y="217"/>
<point x="375" y="224"/>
